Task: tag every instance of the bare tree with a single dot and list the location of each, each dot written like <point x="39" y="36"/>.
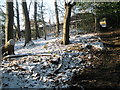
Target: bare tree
<point x="0" y="36"/>
<point x="18" y="21"/>
<point x="95" y="18"/>
<point x="27" y="22"/>
<point x="30" y="5"/>
<point x="9" y="24"/>
<point x="43" y="19"/>
<point x="68" y="7"/>
<point x="35" y="19"/>
<point x="57" y="18"/>
<point x="9" y="21"/>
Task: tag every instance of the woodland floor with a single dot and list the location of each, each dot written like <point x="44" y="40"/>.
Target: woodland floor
<point x="106" y="75"/>
<point x="82" y="66"/>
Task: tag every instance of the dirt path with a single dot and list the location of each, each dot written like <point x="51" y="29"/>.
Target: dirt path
<point x="106" y="75"/>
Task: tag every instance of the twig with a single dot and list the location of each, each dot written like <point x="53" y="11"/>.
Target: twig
<point x="13" y="56"/>
<point x="59" y="67"/>
<point x="23" y="55"/>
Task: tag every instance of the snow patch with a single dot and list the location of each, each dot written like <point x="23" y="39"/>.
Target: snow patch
<point x="53" y="71"/>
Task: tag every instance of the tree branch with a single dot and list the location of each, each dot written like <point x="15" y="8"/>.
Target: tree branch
<point x="30" y="5"/>
<point x="3" y="12"/>
<point x="23" y="55"/>
<point x="73" y="4"/>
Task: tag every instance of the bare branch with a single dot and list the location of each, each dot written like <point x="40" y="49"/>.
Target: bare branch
<point x="65" y="1"/>
<point x="73" y="4"/>
<point x="14" y="7"/>
<point x="61" y="11"/>
<point x="61" y="7"/>
<point x="2" y="11"/>
<point x="30" y="5"/>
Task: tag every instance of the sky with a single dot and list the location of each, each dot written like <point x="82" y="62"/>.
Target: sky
<point x="49" y="6"/>
<point x="49" y="10"/>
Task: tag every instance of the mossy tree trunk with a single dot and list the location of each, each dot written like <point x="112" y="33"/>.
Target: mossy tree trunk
<point x="9" y="21"/>
<point x="9" y="24"/>
<point x="8" y="48"/>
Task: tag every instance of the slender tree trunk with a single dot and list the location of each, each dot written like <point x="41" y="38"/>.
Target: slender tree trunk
<point x="27" y="22"/>
<point x="9" y="24"/>
<point x="1" y="38"/>
<point x="44" y="29"/>
<point x="35" y="19"/>
<point x="18" y="36"/>
<point x="57" y="18"/>
<point x="68" y="7"/>
<point x="95" y="20"/>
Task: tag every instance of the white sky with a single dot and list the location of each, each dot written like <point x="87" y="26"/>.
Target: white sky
<point x="49" y="5"/>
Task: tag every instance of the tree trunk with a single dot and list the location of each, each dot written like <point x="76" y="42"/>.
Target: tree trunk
<point x="57" y="18"/>
<point x="9" y="24"/>
<point x="44" y="29"/>
<point x="6" y="49"/>
<point x="95" y="19"/>
<point x="9" y="21"/>
<point x="18" y="36"/>
<point x="95" y="23"/>
<point x="27" y="22"/>
<point x="35" y="19"/>
<point x="68" y="7"/>
<point x="0" y="39"/>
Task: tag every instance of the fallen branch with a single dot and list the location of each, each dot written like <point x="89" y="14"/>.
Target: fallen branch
<point x="42" y="55"/>
<point x="59" y="67"/>
<point x="23" y="55"/>
<point x="13" y="56"/>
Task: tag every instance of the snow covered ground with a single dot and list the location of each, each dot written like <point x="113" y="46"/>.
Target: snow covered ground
<point x="52" y="44"/>
<point x="53" y="65"/>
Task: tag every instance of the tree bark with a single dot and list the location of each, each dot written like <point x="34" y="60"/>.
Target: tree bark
<point x="68" y="7"/>
<point x="9" y="21"/>
<point x="35" y="20"/>
<point x="1" y="39"/>
<point x="27" y="22"/>
<point x="9" y="24"/>
<point x="95" y="20"/>
<point x="57" y="18"/>
<point x="44" y="29"/>
<point x="6" y="49"/>
<point x="18" y="36"/>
